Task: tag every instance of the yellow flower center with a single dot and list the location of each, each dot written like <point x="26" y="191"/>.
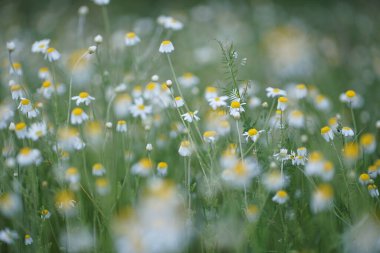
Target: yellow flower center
<point x="326" y="190"/>
<point x="141" y="107"/>
<point x="364" y="177"/>
<point x="46" y="84"/>
<point x="178" y="98"/>
<point x="77" y="111"/>
<point x="351" y="150"/>
<point x="367" y="139"/>
<point x="151" y="86"/>
<point x="50" y="50"/>
<point x="350" y="93"/>
<point x="252" y="132"/>
<point x="146" y="163"/>
<point x="72" y="171"/>
<point x="240" y="169"/>
<point x="44" y="212"/>
<point x="328" y="166"/>
<point x="209" y="134"/>
<point x="315" y="156"/>
<point x="162" y="165"/>
<point x="282" y="99"/>
<point x="282" y="194"/>
<point x="131" y="35"/>
<point x="276" y="90"/>
<point x="20" y="126"/>
<point x="25" y="101"/>
<point x="121" y="122"/>
<point x="16" y="65"/>
<point x="325" y="130"/>
<point x="15" y="87"/>
<point x="83" y="94"/>
<point x="301" y="86"/>
<point x="101" y="182"/>
<point x="333" y="121"/>
<point x="166" y="42"/>
<point x="25" y="151"/>
<point x="185" y="144"/>
<point x="235" y="104"/>
<point x="97" y="166"/>
<point x="210" y="89"/>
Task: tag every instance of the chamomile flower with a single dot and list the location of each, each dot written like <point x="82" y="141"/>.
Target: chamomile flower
<point x="68" y="139"/>
<point x="275" y="92"/>
<point x="121" y="126"/>
<point x="368" y="143"/>
<point x="46" y="89"/>
<point x="188" y="80"/>
<point x="191" y="116"/>
<point x="166" y="47"/>
<point x="216" y="102"/>
<point x="282" y="103"/>
<point x="131" y="39"/>
<point x="10" y="204"/>
<point x="52" y="54"/>
<point x="45" y="214"/>
<point x="211" y="92"/>
<point x="281" y="197"/>
<point x="372" y="171"/>
<point x="240" y="174"/>
<point x="43" y="73"/>
<point x="322" y="103"/>
<point x="98" y="170"/>
<point x="252" y="213"/>
<point x="28" y="156"/>
<point x="328" y="171"/>
<point x="236" y="108"/>
<point x="162" y="168"/>
<point x="37" y="130"/>
<point x="143" y="167"/>
<point x="25" y="105"/>
<point x="327" y="133"/>
<point x="322" y="198"/>
<point x="210" y="136"/>
<point x="252" y="134"/>
<point x="83" y="97"/>
<point x="178" y="102"/>
<point x="65" y="202"/>
<point x="171" y="23"/>
<point x="348" y="97"/>
<point x="364" y="179"/>
<point x="40" y="46"/>
<point x="72" y="175"/>
<point x="373" y="191"/>
<point x="138" y="109"/>
<point x="347" y="132"/>
<point x="274" y="180"/>
<point x="282" y="155"/>
<point x="6" y="114"/>
<point x="315" y="164"/>
<point x="21" y="130"/>
<point x="78" y="116"/>
<point x="102" y="186"/>
<point x="185" y="149"/>
<point x="300" y="91"/>
<point x="8" y="236"/>
<point x="16" y="68"/>
<point x="28" y="240"/>
<point x="16" y="91"/>
<point x="296" y="119"/>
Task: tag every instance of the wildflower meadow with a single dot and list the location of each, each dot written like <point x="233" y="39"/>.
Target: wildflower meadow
<point x="194" y="126"/>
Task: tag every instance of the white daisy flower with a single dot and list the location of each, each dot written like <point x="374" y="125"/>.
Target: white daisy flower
<point x="166" y="47"/>
<point x="188" y="80"/>
<point x="347" y="132"/>
<point x="21" y="130"/>
<point x="52" y="54"/>
<point x="98" y="170"/>
<point x="185" y="148"/>
<point x="281" y="197"/>
<point x="16" y="91"/>
<point x="25" y="105"/>
<point x="327" y="133"/>
<point x="28" y="156"/>
<point x="131" y="39"/>
<point x="84" y="98"/>
<point x="45" y="214"/>
<point x="211" y="92"/>
<point x="78" y="116"/>
<point x="46" y="89"/>
<point x="16" y="69"/>
<point x="162" y="168"/>
<point x="275" y="92"/>
<point x="40" y="46"/>
<point x="216" y="102"/>
<point x="236" y="108"/>
<point x="252" y="134"/>
<point x="8" y="236"/>
<point x="121" y="126"/>
<point x="28" y="240"/>
<point x="143" y="167"/>
<point x="138" y="109"/>
<point x="43" y="73"/>
<point x="37" y="130"/>
<point x="322" y="198"/>
<point x="282" y="103"/>
<point x="178" y="102"/>
<point x="191" y="116"/>
<point x="210" y="136"/>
